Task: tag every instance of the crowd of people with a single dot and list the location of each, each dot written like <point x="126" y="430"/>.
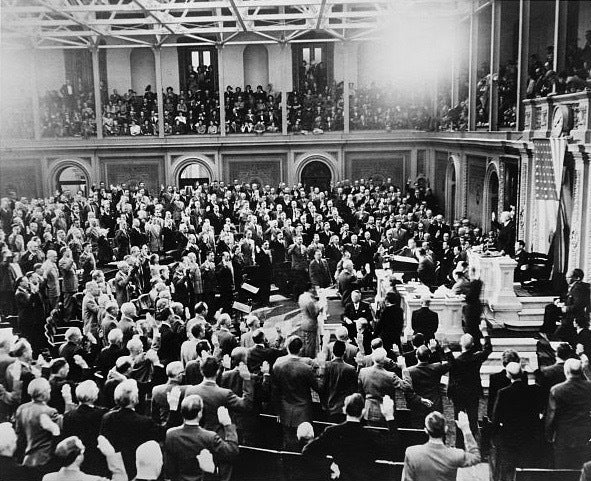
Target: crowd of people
<point x="316" y="110"/>
<point x="156" y="348"/>
<point x="68" y="112"/>
<point x="383" y="108"/>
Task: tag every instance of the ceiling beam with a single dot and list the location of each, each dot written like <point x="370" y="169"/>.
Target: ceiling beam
<point x="320" y="14"/>
<point x="238" y="16"/>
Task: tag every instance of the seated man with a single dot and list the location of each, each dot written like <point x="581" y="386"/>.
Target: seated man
<point x="355" y="309"/>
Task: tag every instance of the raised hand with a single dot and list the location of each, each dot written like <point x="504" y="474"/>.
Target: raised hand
<point x="244" y="372"/>
<point x="463" y="422"/>
<point x="387" y="408"/>
<point x="104" y="446"/>
<point x="205" y="459"/>
<point x="224" y="416"/>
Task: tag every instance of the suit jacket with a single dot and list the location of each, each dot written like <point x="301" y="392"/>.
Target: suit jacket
<point x="161" y="413"/>
<point x="258" y="354"/>
<point x="347" y="282"/>
<point x="362" y="311"/>
<point x="567" y="416"/>
<point x="116" y="467"/>
<point x="549" y="376"/>
<point x="227" y="341"/>
<point x="225" y="278"/>
<point x="425" y="321"/>
<point x="353" y="448"/>
<point x="516" y="415"/>
<point x="577" y="300"/>
<point x="425" y="379"/>
<point x="69" y="275"/>
<point x="293" y="379"/>
<point x="319" y="273"/>
<point x="299" y="257"/>
<point x="184" y="443"/>
<point x="438" y="461"/>
<point x="127" y="430"/>
<point x="498" y="381"/>
<point x="464" y="375"/>
<point x="85" y="422"/>
<point x="215" y="396"/>
<point x="340" y="380"/>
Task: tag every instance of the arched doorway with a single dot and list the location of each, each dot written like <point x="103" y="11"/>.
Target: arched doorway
<point x="72" y="179"/>
<point x="316" y="174"/>
<point x="451" y="190"/>
<point x="193" y="174"/>
<point x="493" y="198"/>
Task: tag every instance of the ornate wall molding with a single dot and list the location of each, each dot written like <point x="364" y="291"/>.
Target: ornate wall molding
<point x="301" y="160"/>
<point x="56" y="165"/>
<point x="180" y="163"/>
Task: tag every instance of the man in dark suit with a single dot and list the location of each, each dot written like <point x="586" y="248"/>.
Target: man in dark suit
<point x="356" y="309"/>
<point x="260" y="352"/>
<point x="516" y="424"/>
<point x="576" y="304"/>
<point x="298" y="255"/>
<point x="85" y="422"/>
<point x="225" y="278"/>
<point x="293" y="378"/>
<point x="161" y="413"/>
<point x="319" y="270"/>
<point x="499" y="380"/>
<point x="185" y="444"/>
<point x="549" y="376"/>
<point x="354" y="449"/>
<point x="346" y="281"/>
<point x="124" y="428"/>
<point x="226" y="340"/>
<point x="340" y="381"/>
<point x="425" y="379"/>
<point x="568" y="423"/>
<point x="465" y="387"/>
<point x="424" y="320"/>
<point x="425" y="268"/>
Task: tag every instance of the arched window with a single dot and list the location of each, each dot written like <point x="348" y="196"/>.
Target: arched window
<point x="143" y="70"/>
<point x="193" y="174"/>
<point x="316" y="174"/>
<point x="256" y="66"/>
<point x="72" y="179"/>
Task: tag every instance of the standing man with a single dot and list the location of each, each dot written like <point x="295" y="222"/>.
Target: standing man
<point x="310" y="308"/>
<point x="355" y="309"/>
<point x="299" y="265"/>
<point x="319" y="271"/>
<point x="516" y="425"/>
<point x="52" y="278"/>
<point x="568" y="424"/>
<point x="293" y="380"/>
<point x="436" y="461"/>
<point x="465" y="387"/>
<point x="340" y="381"/>
<point x="424" y="320"/>
<point x="70" y="281"/>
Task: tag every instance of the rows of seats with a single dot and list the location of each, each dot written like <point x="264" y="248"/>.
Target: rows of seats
<point x="258" y="464"/>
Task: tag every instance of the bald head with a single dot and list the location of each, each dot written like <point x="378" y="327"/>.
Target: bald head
<point x="466" y="342"/>
<point x="341" y="333"/>
<point x="513" y="371"/>
<point x="573" y="368"/>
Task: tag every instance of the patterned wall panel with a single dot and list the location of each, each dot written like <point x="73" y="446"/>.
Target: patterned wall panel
<point x="475" y="190"/>
<point x="379" y="165"/>
<point x="263" y="169"/>
<point x="133" y="172"/>
<point x="22" y="177"/>
<point x="438" y="183"/>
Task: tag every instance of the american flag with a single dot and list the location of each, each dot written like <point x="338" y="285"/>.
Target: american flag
<point x="544" y="178"/>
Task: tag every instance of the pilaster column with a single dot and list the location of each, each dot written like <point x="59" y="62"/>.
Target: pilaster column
<point x="96" y="80"/>
<point x="560" y="22"/>
<point x="586" y="244"/>
<point x="221" y="87"/>
<point x="495" y="44"/>
<point x="472" y="69"/>
<point x="575" y="245"/>
<point x="522" y="61"/>
<point x="346" y="113"/>
<point x="284" y="88"/>
<point x="159" y="94"/>
<point x="35" y="97"/>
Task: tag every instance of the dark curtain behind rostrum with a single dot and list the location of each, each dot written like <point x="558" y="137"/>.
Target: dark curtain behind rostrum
<point x="79" y="68"/>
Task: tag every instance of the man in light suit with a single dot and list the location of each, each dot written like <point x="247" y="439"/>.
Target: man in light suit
<point x="424" y="320"/>
<point x="568" y="423"/>
<point x="184" y="445"/>
<point x="435" y="460"/>
<point x="293" y="378"/>
<point x="319" y="270"/>
<point x="214" y="397"/>
<point x="161" y="413"/>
